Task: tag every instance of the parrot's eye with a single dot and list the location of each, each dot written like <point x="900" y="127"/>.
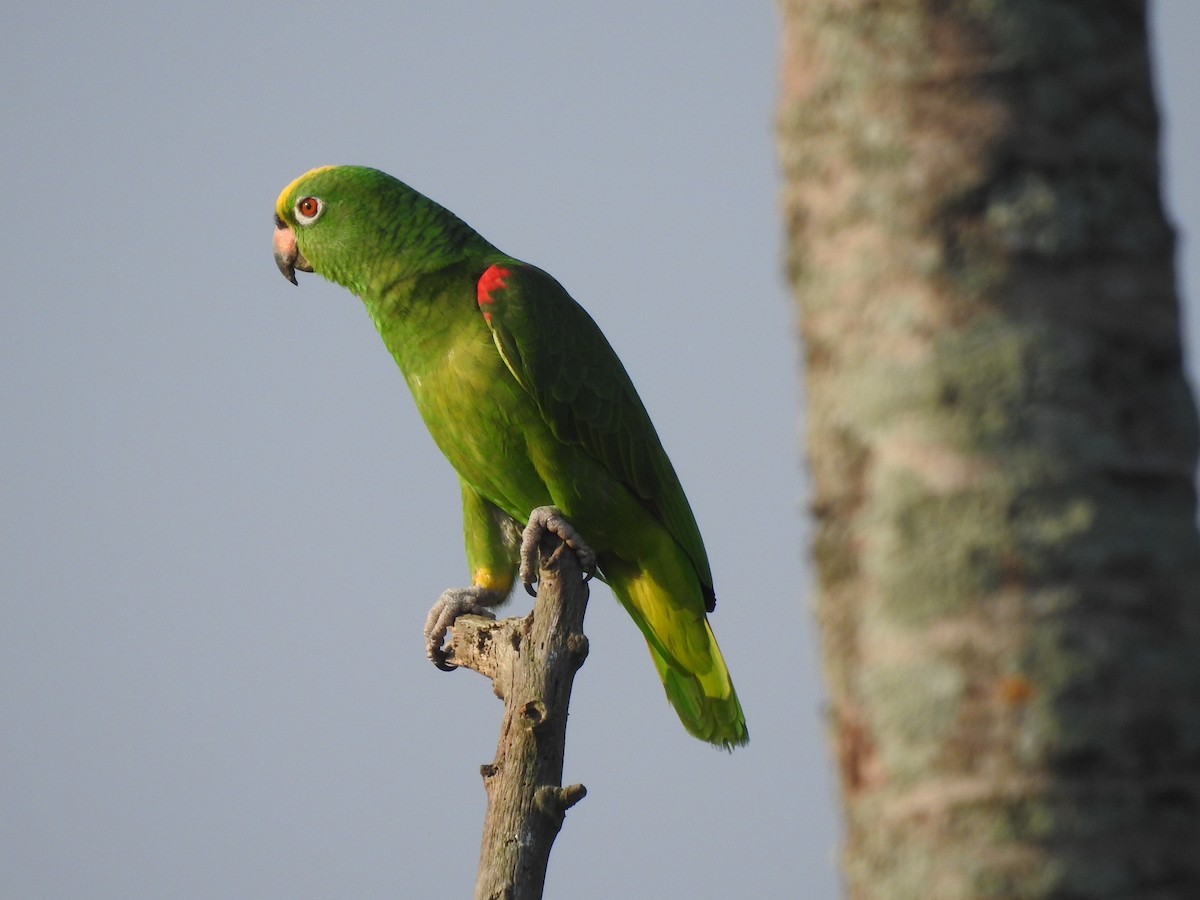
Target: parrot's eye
<point x="307" y="209"/>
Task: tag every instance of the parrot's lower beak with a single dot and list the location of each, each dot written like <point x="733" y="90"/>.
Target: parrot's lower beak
<point x="287" y="257"/>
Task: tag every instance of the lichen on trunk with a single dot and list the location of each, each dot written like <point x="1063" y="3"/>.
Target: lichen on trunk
<point x="1002" y="446"/>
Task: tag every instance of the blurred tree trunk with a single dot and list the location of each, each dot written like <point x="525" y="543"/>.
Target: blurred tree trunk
<point x="1002" y="444"/>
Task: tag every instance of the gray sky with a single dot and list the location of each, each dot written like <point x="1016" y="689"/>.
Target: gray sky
<point x="222" y="523"/>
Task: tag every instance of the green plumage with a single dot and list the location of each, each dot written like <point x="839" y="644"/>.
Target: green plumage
<point x="529" y="403"/>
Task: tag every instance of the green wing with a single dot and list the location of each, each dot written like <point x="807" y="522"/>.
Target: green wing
<point x="560" y="356"/>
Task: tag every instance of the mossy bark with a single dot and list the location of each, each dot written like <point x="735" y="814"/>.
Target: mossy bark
<point x="1002" y="444"/>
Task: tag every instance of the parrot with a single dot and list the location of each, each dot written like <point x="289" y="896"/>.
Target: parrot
<point x="529" y="403"/>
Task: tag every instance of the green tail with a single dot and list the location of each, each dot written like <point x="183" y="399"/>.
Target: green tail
<point x="687" y="658"/>
<point x="716" y="719"/>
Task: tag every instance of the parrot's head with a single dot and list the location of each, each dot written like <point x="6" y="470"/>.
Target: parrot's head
<point x="321" y="218"/>
<point x="354" y="224"/>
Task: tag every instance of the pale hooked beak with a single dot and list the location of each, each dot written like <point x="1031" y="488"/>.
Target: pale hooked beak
<point x="287" y="257"/>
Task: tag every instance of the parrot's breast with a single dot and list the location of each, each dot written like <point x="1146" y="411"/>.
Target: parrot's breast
<point x="481" y="419"/>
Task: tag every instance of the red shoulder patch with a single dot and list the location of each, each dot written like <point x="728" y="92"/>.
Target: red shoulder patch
<point x="492" y="279"/>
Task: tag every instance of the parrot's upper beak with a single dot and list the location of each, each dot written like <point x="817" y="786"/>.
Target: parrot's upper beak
<point x="287" y="257"/>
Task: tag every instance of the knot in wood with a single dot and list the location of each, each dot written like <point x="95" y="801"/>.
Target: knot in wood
<point x="577" y="646"/>
<point x="533" y="714"/>
<point x="555" y="801"/>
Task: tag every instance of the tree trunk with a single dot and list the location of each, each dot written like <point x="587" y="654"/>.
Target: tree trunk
<point x="1002" y="444"/>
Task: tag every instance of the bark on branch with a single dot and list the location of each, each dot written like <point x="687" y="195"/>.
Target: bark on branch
<point x="532" y="663"/>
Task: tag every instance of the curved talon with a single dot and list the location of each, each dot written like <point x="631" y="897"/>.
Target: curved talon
<point x="549" y="519"/>
<point x="452" y="603"/>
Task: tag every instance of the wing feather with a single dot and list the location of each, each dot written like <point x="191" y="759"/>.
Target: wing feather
<point x="558" y="354"/>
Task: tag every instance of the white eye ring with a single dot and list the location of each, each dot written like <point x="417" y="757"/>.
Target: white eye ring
<point x="308" y="209"/>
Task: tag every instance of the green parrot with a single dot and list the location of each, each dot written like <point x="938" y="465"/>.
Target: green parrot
<point x="525" y="397"/>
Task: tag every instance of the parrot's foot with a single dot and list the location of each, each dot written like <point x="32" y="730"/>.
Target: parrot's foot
<point x="541" y="520"/>
<point x="454" y="602"/>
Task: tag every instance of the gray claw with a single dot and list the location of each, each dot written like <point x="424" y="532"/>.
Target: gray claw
<point x="452" y="603"/>
<point x="541" y="520"/>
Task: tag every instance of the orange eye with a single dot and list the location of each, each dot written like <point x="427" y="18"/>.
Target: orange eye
<point x="307" y="209"/>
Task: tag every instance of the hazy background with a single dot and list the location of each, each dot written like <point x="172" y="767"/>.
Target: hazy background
<point x="222" y="523"/>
